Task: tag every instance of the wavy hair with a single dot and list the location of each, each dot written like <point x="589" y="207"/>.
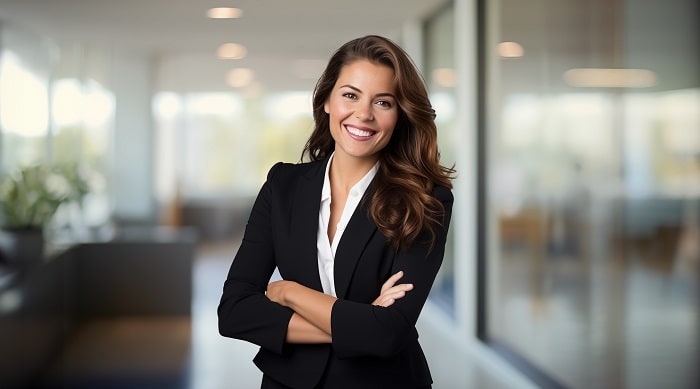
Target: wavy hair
<point x="401" y="205"/>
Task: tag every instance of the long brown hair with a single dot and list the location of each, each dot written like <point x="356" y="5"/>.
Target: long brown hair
<point x="401" y="205"/>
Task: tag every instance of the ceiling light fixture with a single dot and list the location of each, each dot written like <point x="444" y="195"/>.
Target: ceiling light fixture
<point x="231" y="51"/>
<point x="510" y="50"/>
<point x="224" y="13"/>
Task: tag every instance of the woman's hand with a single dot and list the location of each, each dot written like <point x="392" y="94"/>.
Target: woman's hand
<point x="313" y="306"/>
<point x="391" y="292"/>
<point x="276" y="291"/>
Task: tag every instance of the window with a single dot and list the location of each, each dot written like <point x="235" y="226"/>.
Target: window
<point x="591" y="203"/>
<point x="221" y="145"/>
<point x="24" y="114"/>
<point x="439" y="72"/>
<point x="57" y="109"/>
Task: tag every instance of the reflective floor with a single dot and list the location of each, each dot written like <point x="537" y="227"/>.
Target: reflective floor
<point x="179" y="353"/>
<point x="625" y="317"/>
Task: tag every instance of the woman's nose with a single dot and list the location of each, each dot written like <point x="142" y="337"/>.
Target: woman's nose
<point x="364" y="112"/>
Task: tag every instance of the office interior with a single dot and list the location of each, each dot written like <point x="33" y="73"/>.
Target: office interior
<point x="574" y="252"/>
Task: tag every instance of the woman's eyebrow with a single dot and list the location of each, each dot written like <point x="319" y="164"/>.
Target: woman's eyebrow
<point x="383" y="94"/>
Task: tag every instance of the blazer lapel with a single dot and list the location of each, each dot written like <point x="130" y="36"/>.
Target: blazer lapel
<point x="357" y="234"/>
<point x="304" y="222"/>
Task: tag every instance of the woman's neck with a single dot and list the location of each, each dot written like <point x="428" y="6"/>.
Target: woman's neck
<point x="346" y="171"/>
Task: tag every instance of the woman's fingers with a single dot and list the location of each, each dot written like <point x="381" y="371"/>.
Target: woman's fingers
<point x="391" y="292"/>
<point x="391" y="281"/>
<point x="389" y="297"/>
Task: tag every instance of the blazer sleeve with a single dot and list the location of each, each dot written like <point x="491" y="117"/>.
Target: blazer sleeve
<point x="244" y="311"/>
<point x="361" y="329"/>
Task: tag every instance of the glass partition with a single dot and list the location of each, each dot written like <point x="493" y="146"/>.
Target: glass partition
<point x="56" y="108"/>
<point x="591" y="200"/>
<point x="25" y="68"/>
<point x="439" y="74"/>
<point x="209" y="143"/>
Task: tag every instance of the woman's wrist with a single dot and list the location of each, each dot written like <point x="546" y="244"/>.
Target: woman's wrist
<point x="289" y="293"/>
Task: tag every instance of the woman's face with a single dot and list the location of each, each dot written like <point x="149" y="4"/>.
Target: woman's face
<point x="363" y="110"/>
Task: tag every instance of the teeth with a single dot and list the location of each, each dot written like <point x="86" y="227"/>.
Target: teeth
<point x="358" y="132"/>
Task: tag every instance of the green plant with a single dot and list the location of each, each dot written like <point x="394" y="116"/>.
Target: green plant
<point x="31" y="195"/>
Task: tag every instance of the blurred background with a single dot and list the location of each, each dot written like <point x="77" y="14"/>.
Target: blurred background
<point x="573" y="257"/>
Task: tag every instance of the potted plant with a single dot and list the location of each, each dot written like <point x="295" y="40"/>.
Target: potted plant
<point x="29" y="197"/>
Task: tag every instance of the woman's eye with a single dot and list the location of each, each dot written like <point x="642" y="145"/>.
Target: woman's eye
<point x="384" y="103"/>
<point x="349" y="95"/>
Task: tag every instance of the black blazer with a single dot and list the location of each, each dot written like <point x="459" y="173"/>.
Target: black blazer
<point x="372" y="347"/>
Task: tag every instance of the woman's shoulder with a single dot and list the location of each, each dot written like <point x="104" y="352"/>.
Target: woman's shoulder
<point x="287" y="170"/>
<point x="442" y="193"/>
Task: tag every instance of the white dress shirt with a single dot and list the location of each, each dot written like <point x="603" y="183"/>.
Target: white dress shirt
<point x="326" y="249"/>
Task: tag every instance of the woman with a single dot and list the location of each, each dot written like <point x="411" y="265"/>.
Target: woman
<point x="370" y="209"/>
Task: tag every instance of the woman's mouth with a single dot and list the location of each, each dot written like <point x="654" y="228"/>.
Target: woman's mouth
<point x="357" y="133"/>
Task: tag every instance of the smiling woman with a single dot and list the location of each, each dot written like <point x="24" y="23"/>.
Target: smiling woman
<point x="362" y="110"/>
<point x="357" y="233"/>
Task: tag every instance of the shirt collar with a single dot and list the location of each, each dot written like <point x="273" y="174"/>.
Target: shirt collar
<point x="360" y="187"/>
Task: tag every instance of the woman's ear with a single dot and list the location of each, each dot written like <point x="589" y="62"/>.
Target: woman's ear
<point x="326" y="108"/>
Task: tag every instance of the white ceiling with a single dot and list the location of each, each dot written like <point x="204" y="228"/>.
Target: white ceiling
<point x="181" y="39"/>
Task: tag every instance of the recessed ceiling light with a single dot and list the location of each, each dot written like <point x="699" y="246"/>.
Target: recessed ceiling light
<point x="224" y="13"/>
<point x="231" y="51"/>
<point x="510" y="50"/>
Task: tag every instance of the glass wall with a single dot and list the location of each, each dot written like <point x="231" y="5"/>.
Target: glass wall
<point x="56" y="108"/>
<point x="439" y="74"/>
<point x="208" y="143"/>
<point x="591" y="202"/>
<point x="25" y="69"/>
<point x="82" y="112"/>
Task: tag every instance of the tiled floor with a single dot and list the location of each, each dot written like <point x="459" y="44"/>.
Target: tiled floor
<point x="179" y="353"/>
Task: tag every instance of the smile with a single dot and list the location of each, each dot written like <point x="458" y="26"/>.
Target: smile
<point x="358" y="133"/>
